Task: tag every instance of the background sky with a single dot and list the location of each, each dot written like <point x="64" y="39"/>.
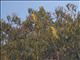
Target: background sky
<point x="20" y="7"/>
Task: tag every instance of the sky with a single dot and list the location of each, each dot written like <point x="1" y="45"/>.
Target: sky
<point x="20" y="7"/>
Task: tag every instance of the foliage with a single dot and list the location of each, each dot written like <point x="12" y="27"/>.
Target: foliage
<point x="41" y="38"/>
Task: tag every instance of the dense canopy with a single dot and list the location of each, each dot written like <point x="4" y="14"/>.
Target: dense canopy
<point x="40" y="36"/>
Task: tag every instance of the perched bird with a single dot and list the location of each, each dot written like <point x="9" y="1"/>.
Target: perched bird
<point x="54" y="32"/>
<point x="34" y="17"/>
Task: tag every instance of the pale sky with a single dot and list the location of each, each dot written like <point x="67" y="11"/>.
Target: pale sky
<point x="21" y="7"/>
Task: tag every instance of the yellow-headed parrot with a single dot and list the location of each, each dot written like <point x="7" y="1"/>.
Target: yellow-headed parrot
<point x="34" y="17"/>
<point x="54" y="32"/>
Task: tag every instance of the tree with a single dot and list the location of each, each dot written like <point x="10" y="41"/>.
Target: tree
<point x="39" y="37"/>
